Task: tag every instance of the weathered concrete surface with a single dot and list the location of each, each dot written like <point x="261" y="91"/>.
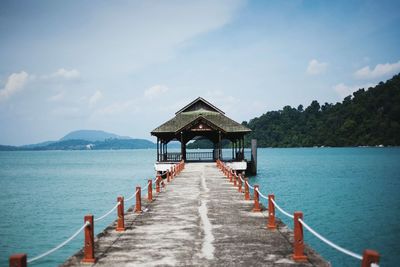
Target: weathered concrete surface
<point x="199" y="219"/>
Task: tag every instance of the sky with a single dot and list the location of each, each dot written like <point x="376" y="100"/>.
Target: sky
<point x="127" y="66"/>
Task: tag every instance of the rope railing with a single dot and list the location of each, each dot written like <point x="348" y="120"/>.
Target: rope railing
<point x="251" y="187"/>
<point x="330" y="243"/>
<point x="20" y="260"/>
<point x="369" y="257"/>
<point x="107" y="213"/>
<point x="133" y="195"/>
<point x="58" y="246"/>
<point x="282" y="210"/>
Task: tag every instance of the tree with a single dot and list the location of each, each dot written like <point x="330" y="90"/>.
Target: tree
<point x="367" y="117"/>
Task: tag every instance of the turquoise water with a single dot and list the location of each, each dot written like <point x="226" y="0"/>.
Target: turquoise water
<point x="350" y="195"/>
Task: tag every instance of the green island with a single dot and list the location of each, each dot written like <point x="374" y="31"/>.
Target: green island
<point x="368" y="117"/>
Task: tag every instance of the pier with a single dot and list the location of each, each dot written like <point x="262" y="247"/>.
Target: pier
<point x="199" y="219"/>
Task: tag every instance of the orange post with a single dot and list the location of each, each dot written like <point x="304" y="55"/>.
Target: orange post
<point x="18" y="260"/>
<point x="230" y="176"/>
<point x="257" y="207"/>
<point x="271" y="213"/>
<point x="168" y="176"/>
<point x="246" y="189"/>
<point x="88" y="248"/>
<point x="298" y="243"/>
<point x="240" y="184"/>
<point x="138" y="206"/>
<point x="150" y="190"/>
<point x="369" y="257"/>
<point x="121" y="218"/>
<point x="235" y="179"/>
<point x="158" y="184"/>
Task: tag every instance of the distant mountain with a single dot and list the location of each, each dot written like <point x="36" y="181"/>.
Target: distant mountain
<point x="9" y="148"/>
<point x="124" y="144"/>
<point x="42" y="144"/>
<point x="111" y="143"/>
<point x="91" y="135"/>
<point x="86" y="140"/>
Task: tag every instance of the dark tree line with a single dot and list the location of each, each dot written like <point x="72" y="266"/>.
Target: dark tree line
<point x="368" y="117"/>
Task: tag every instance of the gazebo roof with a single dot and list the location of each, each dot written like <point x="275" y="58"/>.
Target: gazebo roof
<point x="200" y="110"/>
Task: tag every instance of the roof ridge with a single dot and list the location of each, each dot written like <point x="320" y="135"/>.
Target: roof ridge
<point x="182" y="110"/>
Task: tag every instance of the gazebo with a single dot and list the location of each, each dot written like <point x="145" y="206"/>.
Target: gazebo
<point x="197" y="120"/>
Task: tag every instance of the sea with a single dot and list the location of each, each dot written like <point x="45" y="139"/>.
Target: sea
<point x="351" y="196"/>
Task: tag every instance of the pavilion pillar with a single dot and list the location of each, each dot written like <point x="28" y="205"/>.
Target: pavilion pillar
<point x="158" y="152"/>
<point x="163" y="149"/>
<point x="241" y="148"/>
<point x="236" y="146"/>
<point x="233" y="149"/>
<point x="219" y="145"/>
<point x="183" y="147"/>
<point x="215" y="151"/>
<point x="242" y="158"/>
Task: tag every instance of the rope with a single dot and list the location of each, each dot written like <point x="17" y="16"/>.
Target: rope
<point x="281" y="210"/>
<point x="326" y="241"/>
<point x="251" y="187"/>
<point x="134" y="194"/>
<point x="108" y="213"/>
<point x="312" y="231"/>
<point x="80" y="230"/>
<point x="60" y="245"/>
<point x="261" y="194"/>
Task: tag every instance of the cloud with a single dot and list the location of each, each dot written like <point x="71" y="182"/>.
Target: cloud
<point x="67" y="74"/>
<point x="15" y="82"/>
<point x="155" y="91"/>
<point x="96" y="97"/>
<point x="314" y="67"/>
<point x="62" y="73"/>
<point x="379" y="71"/>
<point x="346" y="90"/>
<point x="57" y="97"/>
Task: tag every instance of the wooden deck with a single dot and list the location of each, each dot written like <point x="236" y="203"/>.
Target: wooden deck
<point x="198" y="219"/>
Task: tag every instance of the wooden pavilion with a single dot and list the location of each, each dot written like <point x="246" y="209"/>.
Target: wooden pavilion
<point x="200" y="119"/>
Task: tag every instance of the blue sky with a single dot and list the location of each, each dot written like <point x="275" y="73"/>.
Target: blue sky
<point x="127" y="66"/>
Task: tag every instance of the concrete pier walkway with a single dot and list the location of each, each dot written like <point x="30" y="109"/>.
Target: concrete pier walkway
<point x="198" y="219"/>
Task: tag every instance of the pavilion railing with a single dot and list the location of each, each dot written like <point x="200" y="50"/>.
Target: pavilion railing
<point x="199" y="156"/>
<point x="227" y="155"/>
<point x="174" y="157"/>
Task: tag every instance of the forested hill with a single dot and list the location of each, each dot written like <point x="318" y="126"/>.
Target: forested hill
<point x="367" y="118"/>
